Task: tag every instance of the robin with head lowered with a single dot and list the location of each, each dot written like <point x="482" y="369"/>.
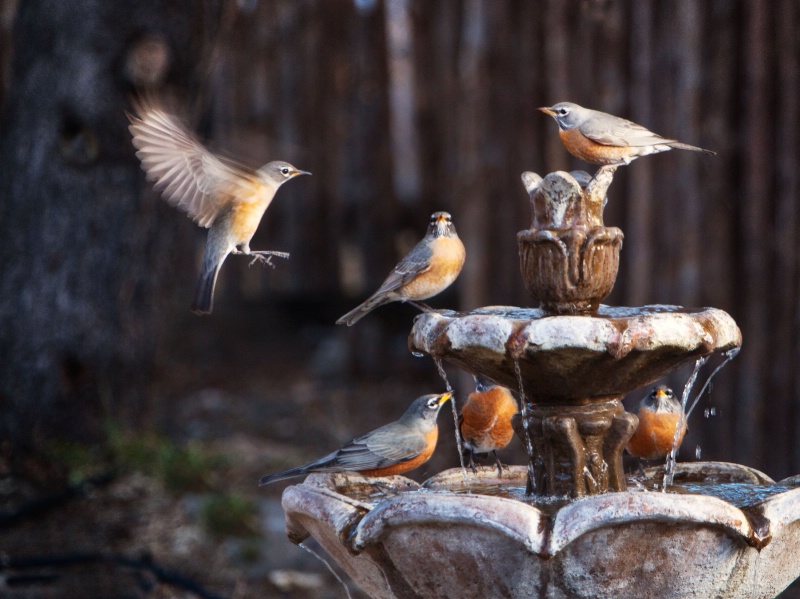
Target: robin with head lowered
<point x="662" y="425"/>
<point x="395" y="448"/>
<point x="227" y="198"/>
<point x="428" y="269"/>
<point x="485" y="421"/>
<point x="601" y="138"/>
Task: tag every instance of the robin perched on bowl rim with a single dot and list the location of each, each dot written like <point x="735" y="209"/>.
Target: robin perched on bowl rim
<point x="660" y="416"/>
<point x="601" y="138"/>
<point x="395" y="448"/>
<point x="485" y="421"/>
<point x="428" y="269"/>
<point x="227" y="198"/>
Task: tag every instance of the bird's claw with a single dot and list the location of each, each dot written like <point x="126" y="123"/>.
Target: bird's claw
<point x="266" y="257"/>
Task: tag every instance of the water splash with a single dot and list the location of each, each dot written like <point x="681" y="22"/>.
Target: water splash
<point x="328" y="566"/>
<point x="669" y="470"/>
<point x="459" y="442"/>
<point x="698" y="452"/>
<point x="709" y="412"/>
<point x="669" y="473"/>
<point x="729" y="355"/>
<point x="524" y="415"/>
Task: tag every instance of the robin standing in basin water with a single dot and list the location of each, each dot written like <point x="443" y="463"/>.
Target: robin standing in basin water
<point x="227" y="198"/>
<point x="660" y="417"/>
<point x="485" y="421"/>
<point x="395" y="448"/>
<point x="602" y="138"/>
<point x="428" y="269"/>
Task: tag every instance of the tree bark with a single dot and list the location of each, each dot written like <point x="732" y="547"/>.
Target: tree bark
<point x="86" y="256"/>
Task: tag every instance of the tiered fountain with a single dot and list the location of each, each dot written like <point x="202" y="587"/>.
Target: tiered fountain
<point x="576" y="530"/>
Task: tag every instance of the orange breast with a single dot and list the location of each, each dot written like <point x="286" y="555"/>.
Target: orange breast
<point x="408" y="466"/>
<point x="446" y="264"/>
<point x="584" y="148"/>
<point x="486" y="423"/>
<point x="247" y="212"/>
<point x="655" y="434"/>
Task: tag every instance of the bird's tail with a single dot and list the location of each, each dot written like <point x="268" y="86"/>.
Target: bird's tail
<point x="681" y="146"/>
<point x="360" y="311"/>
<point x="204" y="294"/>
<point x="271" y="478"/>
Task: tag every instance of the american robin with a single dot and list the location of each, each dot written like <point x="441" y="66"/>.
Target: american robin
<point x="660" y="416"/>
<point x="485" y="420"/>
<point x="601" y="138"/>
<point x="227" y="198"/>
<point x="395" y="448"/>
<point x="428" y="269"/>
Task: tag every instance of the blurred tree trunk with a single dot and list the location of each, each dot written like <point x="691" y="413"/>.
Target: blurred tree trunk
<point x="84" y="252"/>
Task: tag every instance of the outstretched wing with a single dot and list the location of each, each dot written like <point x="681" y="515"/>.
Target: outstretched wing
<point x="189" y="176"/>
<point x="610" y="130"/>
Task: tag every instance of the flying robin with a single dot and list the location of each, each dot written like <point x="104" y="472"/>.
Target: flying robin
<point x="660" y="416"/>
<point x="428" y="269"/>
<point x="227" y="198"/>
<point x="485" y="421"/>
<point x="601" y="138"/>
<point x="395" y="448"/>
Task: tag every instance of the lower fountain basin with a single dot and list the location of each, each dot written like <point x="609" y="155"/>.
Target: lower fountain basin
<point x="436" y="543"/>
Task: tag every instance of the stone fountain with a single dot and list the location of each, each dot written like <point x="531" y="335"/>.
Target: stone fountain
<point x="577" y="529"/>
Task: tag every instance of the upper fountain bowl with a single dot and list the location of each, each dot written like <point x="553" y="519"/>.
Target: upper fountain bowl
<point x="574" y="359"/>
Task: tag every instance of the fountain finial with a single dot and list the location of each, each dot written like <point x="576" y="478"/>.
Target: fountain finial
<point x="569" y="260"/>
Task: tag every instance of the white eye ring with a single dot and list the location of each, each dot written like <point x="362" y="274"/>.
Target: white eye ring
<point x="285" y="170"/>
<point x="433" y="403"/>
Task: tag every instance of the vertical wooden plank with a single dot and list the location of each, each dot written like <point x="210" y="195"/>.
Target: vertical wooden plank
<point x="754" y="232"/>
<point x="637" y="259"/>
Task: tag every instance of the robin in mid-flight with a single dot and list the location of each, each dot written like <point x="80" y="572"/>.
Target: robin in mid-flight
<point x="395" y="448"/>
<point x="661" y="416"/>
<point x="485" y="421"/>
<point x="227" y="198"/>
<point x="602" y="138"/>
<point x="428" y="269"/>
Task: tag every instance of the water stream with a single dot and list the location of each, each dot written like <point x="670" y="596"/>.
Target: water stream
<point x="729" y="355"/>
<point x="524" y="414"/>
<point x="459" y="442"/>
<point x="328" y="566"/>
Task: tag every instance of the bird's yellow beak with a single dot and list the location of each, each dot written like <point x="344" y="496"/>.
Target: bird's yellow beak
<point x="547" y="110"/>
<point x="445" y="397"/>
<point x="661" y="394"/>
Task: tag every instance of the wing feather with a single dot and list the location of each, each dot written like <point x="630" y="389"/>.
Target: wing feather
<point x="614" y="131"/>
<point x="187" y="174"/>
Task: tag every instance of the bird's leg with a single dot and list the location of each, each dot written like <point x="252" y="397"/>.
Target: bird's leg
<point x="471" y="463"/>
<point x="499" y="464"/>
<point x="260" y="256"/>
<point x="420" y="305"/>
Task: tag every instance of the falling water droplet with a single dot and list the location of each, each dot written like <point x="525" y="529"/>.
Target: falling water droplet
<point x="417" y="354"/>
<point x="328" y="566"/>
<point x="698" y="452"/>
<point x="459" y="442"/>
<point x="709" y="412"/>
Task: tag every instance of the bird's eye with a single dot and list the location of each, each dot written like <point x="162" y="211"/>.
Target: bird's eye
<point x="285" y="170"/>
<point x="563" y="111"/>
<point x="433" y="403"/>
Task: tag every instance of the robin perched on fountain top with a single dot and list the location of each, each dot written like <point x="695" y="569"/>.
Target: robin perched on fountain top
<point x="395" y="448"/>
<point x="660" y="418"/>
<point x="227" y="198"/>
<point x="602" y="138"/>
<point x="485" y="420"/>
<point x="428" y="269"/>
